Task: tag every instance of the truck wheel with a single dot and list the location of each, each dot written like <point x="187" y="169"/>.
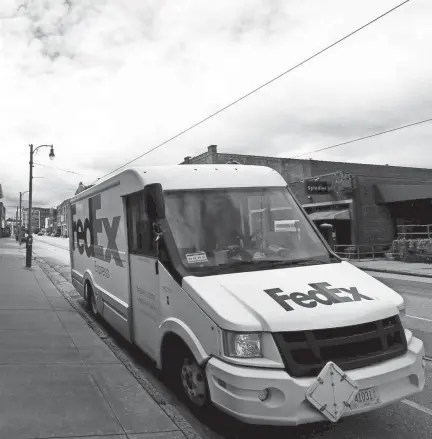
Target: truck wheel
<point x="194" y="384"/>
<point x="93" y="304"/>
<point x="90" y="299"/>
<point x="87" y="302"/>
<point x="185" y="376"/>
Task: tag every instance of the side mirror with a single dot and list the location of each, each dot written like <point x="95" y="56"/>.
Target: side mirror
<point x="154" y="201"/>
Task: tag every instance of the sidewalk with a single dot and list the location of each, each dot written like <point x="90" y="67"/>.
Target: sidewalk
<point x="57" y="377"/>
<point x="396" y="267"/>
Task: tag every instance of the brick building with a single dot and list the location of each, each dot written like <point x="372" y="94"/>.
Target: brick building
<point x="61" y="221"/>
<point x="63" y="218"/>
<point x="51" y="221"/>
<point x="38" y="218"/>
<point x="364" y="203"/>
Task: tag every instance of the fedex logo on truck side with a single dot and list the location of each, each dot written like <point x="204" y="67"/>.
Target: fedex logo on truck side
<point x="94" y="226"/>
<point x="321" y="294"/>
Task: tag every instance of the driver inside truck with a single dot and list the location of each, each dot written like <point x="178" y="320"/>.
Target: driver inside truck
<point x="221" y="223"/>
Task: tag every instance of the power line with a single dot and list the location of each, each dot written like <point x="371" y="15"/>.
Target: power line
<point x="363" y="138"/>
<point x="258" y="88"/>
<point x="64" y="170"/>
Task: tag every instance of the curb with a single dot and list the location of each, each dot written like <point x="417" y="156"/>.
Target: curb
<point x="169" y="409"/>
<point x="402" y="273"/>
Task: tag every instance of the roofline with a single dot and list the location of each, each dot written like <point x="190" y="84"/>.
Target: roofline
<point x="233" y="155"/>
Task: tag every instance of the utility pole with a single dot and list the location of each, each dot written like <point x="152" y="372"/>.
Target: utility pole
<point x="29" y="249"/>
<point x="29" y="243"/>
<point x="16" y="225"/>
<point x="20" y="219"/>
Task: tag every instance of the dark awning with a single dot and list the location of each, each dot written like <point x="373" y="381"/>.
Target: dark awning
<point x="392" y="193"/>
<point x="330" y="215"/>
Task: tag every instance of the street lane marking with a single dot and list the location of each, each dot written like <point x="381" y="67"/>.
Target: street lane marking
<point x="419" y="318"/>
<point x="416" y="406"/>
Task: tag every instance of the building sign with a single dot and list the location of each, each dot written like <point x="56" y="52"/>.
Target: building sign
<point x="317" y="187"/>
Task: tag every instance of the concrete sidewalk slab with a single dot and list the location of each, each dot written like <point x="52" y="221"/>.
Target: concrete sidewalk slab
<point x="52" y="400"/>
<point x="60" y="304"/>
<point x="18" y="301"/>
<point x="37" y="347"/>
<point x="167" y="435"/>
<point x="12" y="264"/>
<point x="117" y="436"/>
<point x="92" y="349"/>
<point x="73" y="324"/>
<point x="31" y="320"/>
<point x="134" y="408"/>
<point x="57" y="377"/>
<point x="48" y="288"/>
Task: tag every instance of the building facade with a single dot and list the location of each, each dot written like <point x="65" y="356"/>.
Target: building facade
<point x="62" y="218"/>
<point x="60" y="215"/>
<point x="364" y="203"/>
<point x="51" y="221"/>
<point x="38" y="218"/>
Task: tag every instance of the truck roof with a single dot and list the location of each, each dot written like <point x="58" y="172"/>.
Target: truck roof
<point x="184" y="177"/>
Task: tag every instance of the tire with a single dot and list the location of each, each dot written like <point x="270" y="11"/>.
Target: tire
<point x="185" y="376"/>
<point x="90" y="299"/>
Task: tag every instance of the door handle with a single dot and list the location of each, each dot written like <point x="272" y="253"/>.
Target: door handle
<point x="156" y="267"/>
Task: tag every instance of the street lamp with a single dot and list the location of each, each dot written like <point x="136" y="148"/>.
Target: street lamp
<point x="29" y="243"/>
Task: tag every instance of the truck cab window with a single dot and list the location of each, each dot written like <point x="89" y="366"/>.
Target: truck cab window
<point x="140" y="234"/>
<point x="222" y="229"/>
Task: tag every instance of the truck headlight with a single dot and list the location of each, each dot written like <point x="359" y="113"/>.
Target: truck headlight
<point x="246" y="345"/>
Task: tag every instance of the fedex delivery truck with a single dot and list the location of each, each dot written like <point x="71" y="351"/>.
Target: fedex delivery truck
<point x="218" y="275"/>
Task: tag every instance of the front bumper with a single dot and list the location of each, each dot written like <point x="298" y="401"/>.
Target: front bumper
<point x="235" y="389"/>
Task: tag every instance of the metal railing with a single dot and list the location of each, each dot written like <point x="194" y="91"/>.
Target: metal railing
<point x="414" y="231"/>
<point x="357" y="252"/>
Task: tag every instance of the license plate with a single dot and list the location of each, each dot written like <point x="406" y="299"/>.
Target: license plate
<point x="366" y="398"/>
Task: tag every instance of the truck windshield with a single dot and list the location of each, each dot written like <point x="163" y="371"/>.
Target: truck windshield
<point x="225" y="229"/>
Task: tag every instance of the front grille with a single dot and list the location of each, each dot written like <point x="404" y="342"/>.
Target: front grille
<point x="305" y="353"/>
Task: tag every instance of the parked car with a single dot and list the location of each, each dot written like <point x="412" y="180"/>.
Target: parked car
<point x="41" y="234"/>
<point x="57" y="235"/>
<point x="53" y="234"/>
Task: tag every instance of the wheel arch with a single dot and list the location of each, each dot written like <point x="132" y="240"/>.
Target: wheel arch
<point x="174" y="328"/>
<point x="88" y="278"/>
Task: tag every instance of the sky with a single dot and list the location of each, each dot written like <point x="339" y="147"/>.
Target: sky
<point x="106" y="80"/>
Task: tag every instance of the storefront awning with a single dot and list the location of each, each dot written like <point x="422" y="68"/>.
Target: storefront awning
<point x="392" y="193"/>
<point x="330" y="215"/>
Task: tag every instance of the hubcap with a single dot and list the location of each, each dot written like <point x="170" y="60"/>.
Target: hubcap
<point x="193" y="383"/>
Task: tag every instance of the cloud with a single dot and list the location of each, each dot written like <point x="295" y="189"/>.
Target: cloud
<point x="107" y="80"/>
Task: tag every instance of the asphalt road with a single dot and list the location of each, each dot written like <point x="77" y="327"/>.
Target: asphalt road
<point x="417" y="293"/>
<point x="407" y="419"/>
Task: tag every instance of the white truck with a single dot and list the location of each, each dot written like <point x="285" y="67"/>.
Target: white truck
<point x="218" y="275"/>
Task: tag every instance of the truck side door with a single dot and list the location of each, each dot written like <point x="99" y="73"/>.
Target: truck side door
<point x="144" y="278"/>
